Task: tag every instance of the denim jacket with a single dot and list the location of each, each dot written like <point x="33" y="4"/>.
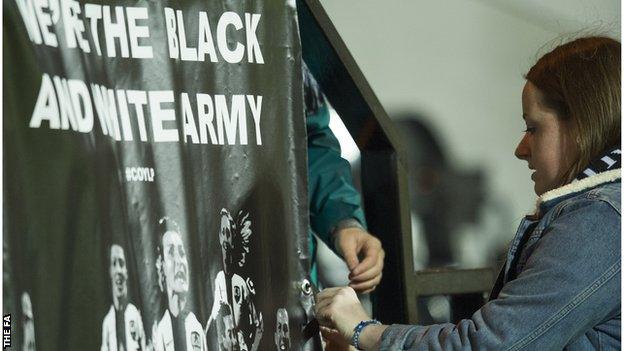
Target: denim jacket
<point x="560" y="287"/>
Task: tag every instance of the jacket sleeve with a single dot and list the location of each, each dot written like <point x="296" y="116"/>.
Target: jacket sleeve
<point x="331" y="192"/>
<point x="570" y="283"/>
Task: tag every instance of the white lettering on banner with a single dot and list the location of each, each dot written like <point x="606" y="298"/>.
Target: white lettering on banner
<point x="27" y="11"/>
<point x="81" y="101"/>
<point x="136" y="115"/>
<point x="234" y="121"/>
<point x="160" y="115"/>
<point x="45" y="20"/>
<point x="74" y="27"/>
<point x="189" y="120"/>
<point x="227" y="19"/>
<point x="128" y="29"/>
<point x="65" y="106"/>
<point x="94" y="13"/>
<point x="172" y="38"/>
<point x="228" y="115"/>
<point x="179" y="46"/>
<point x="140" y="174"/>
<point x="114" y="30"/>
<point x="46" y="107"/>
<point x="205" y="114"/>
<point x="206" y="44"/>
<point x="138" y="98"/>
<point x="186" y="53"/>
<point x="255" y="103"/>
<point x="138" y="32"/>
<point x="251" y="22"/>
<point x="104" y="101"/>
<point x="42" y="16"/>
<point x="71" y="110"/>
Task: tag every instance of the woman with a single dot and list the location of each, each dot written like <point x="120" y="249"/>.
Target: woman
<point x="560" y="286"/>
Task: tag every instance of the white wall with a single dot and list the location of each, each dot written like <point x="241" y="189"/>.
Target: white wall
<point x="460" y="63"/>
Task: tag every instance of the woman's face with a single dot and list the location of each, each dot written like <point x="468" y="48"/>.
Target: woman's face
<point x="546" y="144"/>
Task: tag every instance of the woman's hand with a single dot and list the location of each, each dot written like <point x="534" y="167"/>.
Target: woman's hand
<point x="340" y="309"/>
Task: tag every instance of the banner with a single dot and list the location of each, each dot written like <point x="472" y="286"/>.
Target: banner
<point x="154" y="176"/>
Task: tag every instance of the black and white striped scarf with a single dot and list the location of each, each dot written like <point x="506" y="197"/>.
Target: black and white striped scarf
<point x="605" y="162"/>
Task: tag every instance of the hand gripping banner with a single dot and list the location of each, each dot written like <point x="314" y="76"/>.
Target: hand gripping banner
<point x="154" y="176"/>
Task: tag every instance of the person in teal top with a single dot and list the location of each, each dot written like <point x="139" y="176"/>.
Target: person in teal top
<point x="336" y="214"/>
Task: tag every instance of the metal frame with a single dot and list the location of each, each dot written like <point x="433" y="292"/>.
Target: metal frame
<point x="466" y="287"/>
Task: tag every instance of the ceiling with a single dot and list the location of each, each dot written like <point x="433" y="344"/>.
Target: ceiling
<point x="566" y="16"/>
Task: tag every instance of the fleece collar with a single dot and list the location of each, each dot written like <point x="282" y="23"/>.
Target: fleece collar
<point x="580" y="185"/>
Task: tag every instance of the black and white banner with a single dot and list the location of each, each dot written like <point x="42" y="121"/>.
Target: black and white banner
<point x="154" y="176"/>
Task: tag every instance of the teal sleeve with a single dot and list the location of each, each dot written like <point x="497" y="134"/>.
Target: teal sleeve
<point x="332" y="194"/>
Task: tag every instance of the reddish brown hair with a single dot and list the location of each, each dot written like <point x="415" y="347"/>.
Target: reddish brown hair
<point x="580" y="81"/>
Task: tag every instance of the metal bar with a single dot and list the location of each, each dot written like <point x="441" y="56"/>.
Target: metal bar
<point x="452" y="281"/>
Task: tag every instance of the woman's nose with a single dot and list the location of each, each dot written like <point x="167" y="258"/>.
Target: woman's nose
<point x="523" y="151"/>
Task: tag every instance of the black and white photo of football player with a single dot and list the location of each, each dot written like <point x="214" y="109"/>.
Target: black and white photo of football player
<point x="282" y="330"/>
<point x="178" y="329"/>
<point x="230" y="288"/>
<point x="122" y="327"/>
<point x="230" y="339"/>
<point x="28" y="324"/>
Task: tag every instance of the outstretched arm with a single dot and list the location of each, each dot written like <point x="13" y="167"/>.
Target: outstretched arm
<point x="569" y="284"/>
<point x="336" y="214"/>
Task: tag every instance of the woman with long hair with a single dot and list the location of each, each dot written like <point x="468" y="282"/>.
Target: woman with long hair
<point x="560" y="286"/>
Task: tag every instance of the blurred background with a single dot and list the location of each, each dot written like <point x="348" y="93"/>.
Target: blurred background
<point x="450" y="74"/>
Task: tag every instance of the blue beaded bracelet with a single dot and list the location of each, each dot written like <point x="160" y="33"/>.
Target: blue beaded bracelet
<point x="355" y="339"/>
